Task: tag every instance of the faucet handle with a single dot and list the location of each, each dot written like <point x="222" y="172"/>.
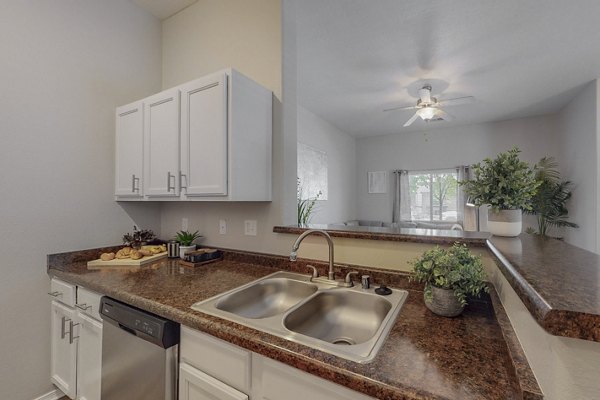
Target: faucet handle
<point x="349" y="276"/>
<point x="315" y="273"/>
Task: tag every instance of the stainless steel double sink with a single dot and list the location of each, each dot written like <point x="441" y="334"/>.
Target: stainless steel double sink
<point x="351" y="323"/>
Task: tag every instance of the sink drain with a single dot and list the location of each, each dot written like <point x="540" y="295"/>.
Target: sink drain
<point x="343" y="341"/>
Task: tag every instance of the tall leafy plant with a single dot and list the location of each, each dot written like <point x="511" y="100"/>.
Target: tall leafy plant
<point x="505" y="183"/>
<point x="306" y="206"/>
<point x="549" y="203"/>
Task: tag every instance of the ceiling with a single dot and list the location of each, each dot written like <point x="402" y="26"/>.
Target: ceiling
<point x="164" y="8"/>
<point x="518" y="58"/>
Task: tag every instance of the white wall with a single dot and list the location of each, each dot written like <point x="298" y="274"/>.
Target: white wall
<point x="446" y="148"/>
<point x="211" y="35"/>
<point x="65" y="66"/>
<point x="578" y="155"/>
<point x="341" y="166"/>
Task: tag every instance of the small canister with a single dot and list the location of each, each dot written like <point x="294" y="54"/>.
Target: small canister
<point x="173" y="249"/>
<point x="365" y="281"/>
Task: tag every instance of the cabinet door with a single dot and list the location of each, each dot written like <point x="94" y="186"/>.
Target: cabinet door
<point x="63" y="351"/>
<point x="161" y="141"/>
<point x="196" y="385"/>
<point x="274" y="380"/>
<point x="89" y="358"/>
<point x="129" y="148"/>
<point x="204" y="136"/>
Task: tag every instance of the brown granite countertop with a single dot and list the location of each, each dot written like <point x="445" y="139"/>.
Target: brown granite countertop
<point x="474" y="356"/>
<point x="559" y="283"/>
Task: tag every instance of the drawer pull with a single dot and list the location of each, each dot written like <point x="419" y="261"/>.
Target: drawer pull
<point x="55" y="294"/>
<point x="63" y="332"/>
<point x="71" y="337"/>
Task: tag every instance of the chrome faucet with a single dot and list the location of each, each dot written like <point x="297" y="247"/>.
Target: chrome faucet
<point x="330" y="274"/>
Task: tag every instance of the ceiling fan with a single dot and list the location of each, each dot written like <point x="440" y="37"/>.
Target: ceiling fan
<point x="428" y="107"/>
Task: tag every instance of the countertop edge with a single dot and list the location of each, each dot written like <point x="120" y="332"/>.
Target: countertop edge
<point x="525" y="377"/>
<point x="564" y="323"/>
<point x="388" y="236"/>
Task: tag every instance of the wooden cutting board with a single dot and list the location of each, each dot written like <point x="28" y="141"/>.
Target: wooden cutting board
<point x="126" y="261"/>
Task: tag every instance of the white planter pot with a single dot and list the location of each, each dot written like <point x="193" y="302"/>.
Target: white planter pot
<point x="505" y="222"/>
<point x="185" y="249"/>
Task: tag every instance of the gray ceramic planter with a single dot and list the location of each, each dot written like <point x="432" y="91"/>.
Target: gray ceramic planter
<point x="443" y="302"/>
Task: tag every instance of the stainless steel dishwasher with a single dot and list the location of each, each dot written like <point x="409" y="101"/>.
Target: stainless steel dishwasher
<point x="139" y="354"/>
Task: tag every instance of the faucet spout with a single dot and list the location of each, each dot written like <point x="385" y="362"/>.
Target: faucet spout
<point x="296" y="245"/>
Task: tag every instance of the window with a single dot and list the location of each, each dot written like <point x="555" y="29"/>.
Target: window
<point x="433" y="195"/>
<point x="312" y="173"/>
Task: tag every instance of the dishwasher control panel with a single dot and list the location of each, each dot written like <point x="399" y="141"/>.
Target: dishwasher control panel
<point x="151" y="327"/>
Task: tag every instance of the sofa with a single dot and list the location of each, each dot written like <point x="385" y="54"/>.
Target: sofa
<point x="404" y="224"/>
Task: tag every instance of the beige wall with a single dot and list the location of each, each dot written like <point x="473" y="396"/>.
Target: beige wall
<point x="65" y="66"/>
<point x="246" y="35"/>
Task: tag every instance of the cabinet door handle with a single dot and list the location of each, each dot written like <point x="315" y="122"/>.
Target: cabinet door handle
<point x="71" y="337"/>
<point x="83" y="307"/>
<point x="135" y="184"/>
<point x="169" y="187"/>
<point x="63" y="332"/>
<point x="55" y="294"/>
<point x="181" y="178"/>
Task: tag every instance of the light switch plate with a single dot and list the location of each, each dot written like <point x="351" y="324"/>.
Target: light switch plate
<point x="250" y="227"/>
<point x="184" y="224"/>
<point x="222" y="227"/>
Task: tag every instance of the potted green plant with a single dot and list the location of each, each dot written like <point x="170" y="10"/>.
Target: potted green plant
<point x="186" y="239"/>
<point x="507" y="185"/>
<point x="306" y="206"/>
<point x="449" y="275"/>
<point x="138" y="238"/>
<point x="549" y="203"/>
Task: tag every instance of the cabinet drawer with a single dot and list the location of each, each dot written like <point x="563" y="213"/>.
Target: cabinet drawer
<point x="62" y="292"/>
<point x="221" y="360"/>
<point x="88" y="302"/>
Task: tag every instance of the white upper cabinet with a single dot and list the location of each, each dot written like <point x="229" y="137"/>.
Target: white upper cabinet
<point x="206" y="140"/>
<point x="204" y="136"/>
<point x="129" y="147"/>
<point x="161" y="144"/>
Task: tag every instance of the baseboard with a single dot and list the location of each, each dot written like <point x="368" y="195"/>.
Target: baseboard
<point x="53" y="395"/>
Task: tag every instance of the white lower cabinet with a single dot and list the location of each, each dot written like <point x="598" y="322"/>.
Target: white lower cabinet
<point x="76" y="341"/>
<point x="196" y="385"/>
<point x="274" y="380"/>
<point x="63" y="369"/>
<point x="212" y="369"/>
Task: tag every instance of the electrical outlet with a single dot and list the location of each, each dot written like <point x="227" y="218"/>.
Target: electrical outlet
<point x="184" y="224"/>
<point x="250" y="227"/>
<point x="222" y="227"/>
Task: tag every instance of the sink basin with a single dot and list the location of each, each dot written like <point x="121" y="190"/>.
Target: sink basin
<point x="351" y="323"/>
<point x="266" y="298"/>
<point x="339" y="317"/>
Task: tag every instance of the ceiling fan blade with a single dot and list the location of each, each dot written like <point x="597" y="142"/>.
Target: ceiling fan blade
<point x="401" y="108"/>
<point x="456" y="101"/>
<point x="443" y="115"/>
<point x="411" y="120"/>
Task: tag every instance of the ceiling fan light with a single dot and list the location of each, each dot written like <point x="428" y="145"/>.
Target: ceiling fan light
<point x="426" y="113"/>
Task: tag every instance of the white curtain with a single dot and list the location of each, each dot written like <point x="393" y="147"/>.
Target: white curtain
<point x="466" y="214"/>
<point x="401" y="202"/>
